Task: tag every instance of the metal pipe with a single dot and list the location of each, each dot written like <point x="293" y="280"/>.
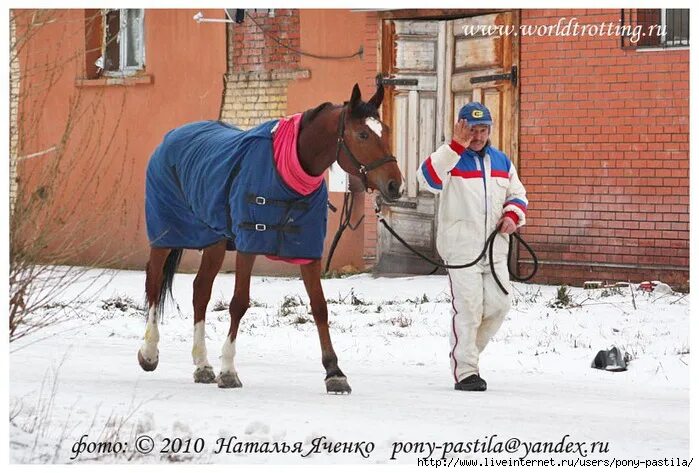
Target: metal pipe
<point x="199" y="18"/>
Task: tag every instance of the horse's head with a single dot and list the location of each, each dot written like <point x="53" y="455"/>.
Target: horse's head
<point x="364" y="145"/>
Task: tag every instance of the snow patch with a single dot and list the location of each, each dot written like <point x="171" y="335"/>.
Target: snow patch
<point x="391" y="339"/>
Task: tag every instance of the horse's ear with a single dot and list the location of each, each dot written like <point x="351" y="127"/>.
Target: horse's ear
<point x="378" y="96"/>
<point x="356" y="98"/>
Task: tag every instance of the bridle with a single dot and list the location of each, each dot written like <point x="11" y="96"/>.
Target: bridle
<point x="363" y="169"/>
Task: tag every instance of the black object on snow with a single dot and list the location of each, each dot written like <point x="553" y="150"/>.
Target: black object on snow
<point x="610" y="360"/>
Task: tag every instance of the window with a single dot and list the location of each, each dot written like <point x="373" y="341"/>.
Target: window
<point x="123" y="45"/>
<point x="676" y="22"/>
<point x="655" y="28"/>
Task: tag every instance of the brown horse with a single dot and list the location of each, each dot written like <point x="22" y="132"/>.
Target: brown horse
<point x="351" y="134"/>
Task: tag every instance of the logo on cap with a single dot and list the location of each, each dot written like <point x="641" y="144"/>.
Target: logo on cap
<point x="477" y="114"/>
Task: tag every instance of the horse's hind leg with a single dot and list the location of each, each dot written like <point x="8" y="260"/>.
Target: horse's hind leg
<point x="211" y="262"/>
<point x="239" y="305"/>
<point x="335" y="380"/>
<point x="148" y="353"/>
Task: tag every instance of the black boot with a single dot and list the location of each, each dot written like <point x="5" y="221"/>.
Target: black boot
<point x="471" y="383"/>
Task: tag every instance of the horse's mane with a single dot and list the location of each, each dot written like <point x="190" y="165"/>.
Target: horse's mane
<point x="310" y="115"/>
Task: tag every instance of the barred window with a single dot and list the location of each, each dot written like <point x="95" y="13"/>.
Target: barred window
<point x="655" y="27"/>
<point x="677" y="22"/>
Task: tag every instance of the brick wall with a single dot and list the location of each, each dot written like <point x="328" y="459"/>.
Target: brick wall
<point x="14" y="104"/>
<point x="259" y="68"/>
<point x="252" y="50"/>
<point x="252" y="98"/>
<point x="604" y="153"/>
<point x="372" y="66"/>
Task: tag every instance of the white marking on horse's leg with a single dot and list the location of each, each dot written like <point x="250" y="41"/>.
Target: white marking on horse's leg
<point x="228" y="356"/>
<point x="149" y="349"/>
<point x="375" y="125"/>
<point x="199" y="354"/>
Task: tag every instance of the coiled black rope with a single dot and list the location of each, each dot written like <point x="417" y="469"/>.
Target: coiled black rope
<point x="489" y="243"/>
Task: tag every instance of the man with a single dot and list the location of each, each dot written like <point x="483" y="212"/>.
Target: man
<point x="479" y="190"/>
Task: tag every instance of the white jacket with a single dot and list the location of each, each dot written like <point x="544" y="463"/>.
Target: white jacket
<point x="475" y="192"/>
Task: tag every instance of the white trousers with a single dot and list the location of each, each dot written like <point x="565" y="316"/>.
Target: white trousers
<point x="478" y="309"/>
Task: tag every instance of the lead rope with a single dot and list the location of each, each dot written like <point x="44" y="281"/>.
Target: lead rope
<point x="489" y="243"/>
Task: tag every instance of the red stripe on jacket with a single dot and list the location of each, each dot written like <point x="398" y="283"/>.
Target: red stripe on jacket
<point x="465" y="174"/>
<point x="523" y="208"/>
<point x="433" y="173"/>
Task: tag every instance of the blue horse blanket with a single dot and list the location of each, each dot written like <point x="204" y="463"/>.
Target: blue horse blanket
<point x="208" y="181"/>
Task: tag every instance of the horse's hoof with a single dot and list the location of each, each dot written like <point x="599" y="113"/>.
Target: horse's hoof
<point x="229" y="380"/>
<point x="204" y="374"/>
<point x="337" y="385"/>
<point x="147" y="365"/>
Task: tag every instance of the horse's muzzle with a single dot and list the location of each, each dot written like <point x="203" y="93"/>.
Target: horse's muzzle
<point x="393" y="190"/>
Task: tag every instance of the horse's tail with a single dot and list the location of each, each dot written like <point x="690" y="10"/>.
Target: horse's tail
<point x="171" y="264"/>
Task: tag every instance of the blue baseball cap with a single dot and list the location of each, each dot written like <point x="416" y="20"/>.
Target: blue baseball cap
<point x="476" y="114"/>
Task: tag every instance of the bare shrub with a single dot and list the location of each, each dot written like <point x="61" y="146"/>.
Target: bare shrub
<point x="61" y="202"/>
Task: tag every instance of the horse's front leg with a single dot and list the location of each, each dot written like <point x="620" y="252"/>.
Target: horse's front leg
<point x="335" y="380"/>
<point x="239" y="305"/>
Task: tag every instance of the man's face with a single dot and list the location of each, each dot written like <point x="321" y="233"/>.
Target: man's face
<point x="479" y="137"/>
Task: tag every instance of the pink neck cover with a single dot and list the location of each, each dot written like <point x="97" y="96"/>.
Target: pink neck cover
<point x="286" y="160"/>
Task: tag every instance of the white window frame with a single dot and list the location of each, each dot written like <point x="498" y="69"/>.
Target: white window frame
<point x="123" y="39"/>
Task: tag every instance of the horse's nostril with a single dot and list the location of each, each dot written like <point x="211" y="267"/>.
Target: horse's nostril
<point x="394" y="190"/>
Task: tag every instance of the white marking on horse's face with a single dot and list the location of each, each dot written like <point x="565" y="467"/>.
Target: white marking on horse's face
<point x="374" y="125"/>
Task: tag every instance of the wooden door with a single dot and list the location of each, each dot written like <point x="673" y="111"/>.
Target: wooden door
<point x="484" y="70"/>
<point x="415" y="101"/>
<point x="431" y="66"/>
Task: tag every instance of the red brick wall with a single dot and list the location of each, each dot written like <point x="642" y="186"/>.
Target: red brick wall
<point x="604" y="154"/>
<point x="372" y="66"/>
<point x="253" y="51"/>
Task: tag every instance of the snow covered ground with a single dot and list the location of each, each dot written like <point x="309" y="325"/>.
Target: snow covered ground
<point x="81" y="378"/>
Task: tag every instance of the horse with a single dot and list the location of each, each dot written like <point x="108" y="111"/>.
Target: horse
<point x="350" y="134"/>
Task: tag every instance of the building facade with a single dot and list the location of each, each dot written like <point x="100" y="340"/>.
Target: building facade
<point x="597" y="124"/>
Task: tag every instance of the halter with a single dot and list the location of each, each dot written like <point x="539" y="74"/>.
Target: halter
<point x="363" y="169"/>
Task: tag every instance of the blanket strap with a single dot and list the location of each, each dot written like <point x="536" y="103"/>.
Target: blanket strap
<point x="261" y="227"/>
<point x="293" y="204"/>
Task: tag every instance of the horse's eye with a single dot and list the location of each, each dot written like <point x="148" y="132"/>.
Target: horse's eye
<point x="363" y="135"/>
